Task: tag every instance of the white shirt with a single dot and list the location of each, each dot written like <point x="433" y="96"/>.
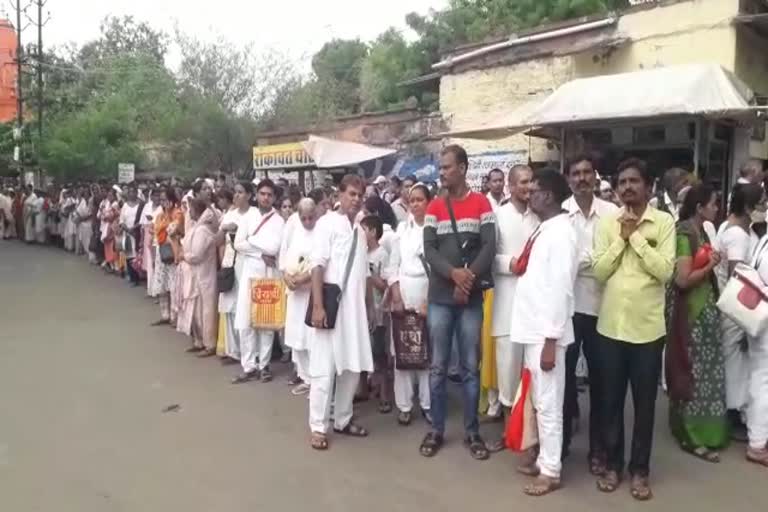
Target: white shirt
<point x="378" y="261"/>
<point x="406" y="265"/>
<point x="512" y="232"/>
<point x="400" y="209"/>
<point x="588" y="293"/>
<point x="544" y="300"/>
<point x="128" y="215"/>
<point x="735" y="245"/>
<point x="494" y="203"/>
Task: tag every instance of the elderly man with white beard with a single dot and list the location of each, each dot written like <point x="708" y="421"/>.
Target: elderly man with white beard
<point x="294" y="264"/>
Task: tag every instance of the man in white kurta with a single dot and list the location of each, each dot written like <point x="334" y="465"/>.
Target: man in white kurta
<point x="294" y="264"/>
<point x="30" y="204"/>
<point x="541" y="321"/>
<point x="146" y="221"/>
<point x="341" y="353"/>
<point x="514" y="225"/>
<point x="230" y="223"/>
<point x="257" y="243"/>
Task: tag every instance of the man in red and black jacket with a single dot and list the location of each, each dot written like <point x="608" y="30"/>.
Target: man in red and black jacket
<point x="459" y="246"/>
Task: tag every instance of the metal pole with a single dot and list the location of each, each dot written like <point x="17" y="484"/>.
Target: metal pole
<point x="19" y="91"/>
<point x="39" y="70"/>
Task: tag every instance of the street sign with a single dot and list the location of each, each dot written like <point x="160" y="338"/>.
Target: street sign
<point x="126" y="173"/>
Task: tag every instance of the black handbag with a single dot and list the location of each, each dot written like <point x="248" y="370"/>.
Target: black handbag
<point x="166" y="253"/>
<point x="225" y="277"/>
<point x="332" y="293"/>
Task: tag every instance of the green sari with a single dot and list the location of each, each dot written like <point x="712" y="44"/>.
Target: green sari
<point x="697" y="416"/>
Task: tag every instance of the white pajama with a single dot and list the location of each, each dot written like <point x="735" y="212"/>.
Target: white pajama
<point x="300" y="359"/>
<point x="547" y="393"/>
<point x="509" y="364"/>
<point x="231" y="337"/>
<point x="757" y="412"/>
<point x="323" y="368"/>
<point x="255" y="344"/>
<point x="736" y="365"/>
<point x="406" y="382"/>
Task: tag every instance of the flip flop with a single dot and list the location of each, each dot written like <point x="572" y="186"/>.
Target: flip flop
<point x="759" y="457"/>
<point x="703" y="453"/>
<point x="609" y="482"/>
<point x="318" y="441"/>
<point x="639" y="489"/>
<point x="542" y="486"/>
<point x="352" y="430"/>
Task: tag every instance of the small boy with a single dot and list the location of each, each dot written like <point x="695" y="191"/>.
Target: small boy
<point x="378" y="260"/>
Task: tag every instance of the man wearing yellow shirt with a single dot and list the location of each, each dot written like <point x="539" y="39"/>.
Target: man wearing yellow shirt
<point x="634" y="254"/>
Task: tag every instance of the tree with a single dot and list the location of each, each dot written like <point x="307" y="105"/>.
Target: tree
<point x="240" y="79"/>
<point x="337" y="68"/>
<point x="124" y="36"/>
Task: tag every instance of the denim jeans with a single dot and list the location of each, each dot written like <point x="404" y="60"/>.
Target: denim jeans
<point x="465" y="322"/>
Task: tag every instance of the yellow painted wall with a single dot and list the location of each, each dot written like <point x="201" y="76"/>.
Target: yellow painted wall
<point x="477" y="97"/>
<point x="682" y="33"/>
<point x="752" y="68"/>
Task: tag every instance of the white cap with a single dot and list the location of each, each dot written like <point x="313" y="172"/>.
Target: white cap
<point x="379" y="180"/>
<point x="605" y="186"/>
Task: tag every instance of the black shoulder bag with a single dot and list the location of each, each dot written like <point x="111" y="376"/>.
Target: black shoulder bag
<point x="332" y="292"/>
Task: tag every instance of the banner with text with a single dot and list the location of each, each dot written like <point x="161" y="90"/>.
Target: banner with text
<point x="281" y="156"/>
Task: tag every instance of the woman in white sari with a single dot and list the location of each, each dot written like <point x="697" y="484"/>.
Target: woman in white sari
<point x="409" y="282"/>
<point x="735" y="241"/>
<point x="294" y="264"/>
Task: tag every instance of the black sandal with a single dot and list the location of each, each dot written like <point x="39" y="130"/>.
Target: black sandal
<point x="431" y="444"/>
<point x="352" y="430"/>
<point x="477" y="447"/>
<point x="385" y="407"/>
<point x="404" y="418"/>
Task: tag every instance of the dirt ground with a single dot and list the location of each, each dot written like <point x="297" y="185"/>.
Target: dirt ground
<point x="84" y="381"/>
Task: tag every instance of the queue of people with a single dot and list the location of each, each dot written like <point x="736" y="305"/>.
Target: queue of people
<point x="393" y="289"/>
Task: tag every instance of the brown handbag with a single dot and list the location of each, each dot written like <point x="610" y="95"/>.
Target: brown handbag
<point x="410" y="337"/>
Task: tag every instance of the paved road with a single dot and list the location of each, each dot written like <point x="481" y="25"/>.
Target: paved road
<point x="83" y="381"/>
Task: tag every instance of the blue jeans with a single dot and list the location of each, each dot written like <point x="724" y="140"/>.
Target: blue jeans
<point x="465" y="322"/>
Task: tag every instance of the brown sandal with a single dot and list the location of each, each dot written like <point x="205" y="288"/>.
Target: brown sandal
<point x="318" y="441"/>
<point x="542" y="486"/>
<point x="639" y="488"/>
<point x="759" y="457"/>
<point x="609" y="482"/>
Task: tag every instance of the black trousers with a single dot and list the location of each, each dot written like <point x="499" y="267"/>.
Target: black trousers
<point x="585" y="333"/>
<point x="132" y="274"/>
<point x="637" y="365"/>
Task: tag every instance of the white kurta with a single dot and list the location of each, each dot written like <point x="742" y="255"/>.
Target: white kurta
<point x="406" y="269"/>
<point x="350" y="341"/>
<point x="228" y="300"/>
<point x="512" y="232"/>
<point x="40" y="219"/>
<point x="294" y="259"/>
<point x="29" y="217"/>
<point x="250" y="248"/>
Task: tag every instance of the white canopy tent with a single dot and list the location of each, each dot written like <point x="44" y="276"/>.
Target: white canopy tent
<point x="330" y="153"/>
<point x="691" y="90"/>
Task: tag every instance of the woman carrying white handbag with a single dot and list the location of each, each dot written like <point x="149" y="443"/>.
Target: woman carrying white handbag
<point x="735" y="241"/>
<point x="757" y="410"/>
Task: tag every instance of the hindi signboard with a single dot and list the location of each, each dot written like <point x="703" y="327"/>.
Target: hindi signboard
<point x="126" y="173"/>
<point x="281" y="156"/>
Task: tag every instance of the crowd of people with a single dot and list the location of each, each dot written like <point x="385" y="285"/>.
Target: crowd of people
<point x="538" y="271"/>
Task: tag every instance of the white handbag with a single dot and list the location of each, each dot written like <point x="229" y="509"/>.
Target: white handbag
<point x="745" y="296"/>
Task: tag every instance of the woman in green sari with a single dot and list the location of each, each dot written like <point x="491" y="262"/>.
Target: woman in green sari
<point x="695" y="365"/>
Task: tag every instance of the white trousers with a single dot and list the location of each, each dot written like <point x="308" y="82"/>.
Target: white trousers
<point x="736" y="366"/>
<point x="231" y="337"/>
<point x="255" y="344"/>
<point x="300" y="359"/>
<point x="406" y="382"/>
<point x="509" y="364"/>
<point x="494" y="406"/>
<point x="320" y="388"/>
<point x="547" y="393"/>
<point x="757" y="412"/>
